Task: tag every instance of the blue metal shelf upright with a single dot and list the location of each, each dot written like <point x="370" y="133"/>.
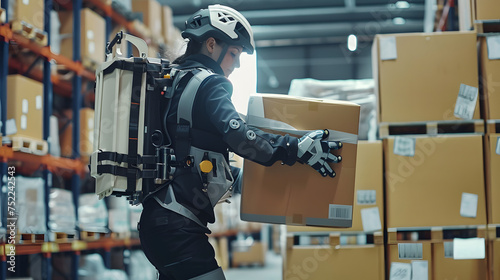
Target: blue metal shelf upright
<point x="4" y="70"/>
<point x="77" y="103"/>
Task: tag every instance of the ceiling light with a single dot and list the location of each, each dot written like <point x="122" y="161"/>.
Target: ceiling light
<point x="402" y="5"/>
<point x="398" y="21"/>
<point x="352" y="42"/>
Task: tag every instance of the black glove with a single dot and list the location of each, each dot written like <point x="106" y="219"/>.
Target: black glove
<point x="315" y="152"/>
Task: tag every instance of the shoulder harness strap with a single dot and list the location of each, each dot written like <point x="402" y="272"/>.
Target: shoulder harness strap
<point x="185" y="112"/>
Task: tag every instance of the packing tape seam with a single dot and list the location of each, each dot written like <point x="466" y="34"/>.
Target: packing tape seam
<point x="266" y="123"/>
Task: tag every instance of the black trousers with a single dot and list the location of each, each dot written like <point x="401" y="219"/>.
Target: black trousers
<point x="174" y="244"/>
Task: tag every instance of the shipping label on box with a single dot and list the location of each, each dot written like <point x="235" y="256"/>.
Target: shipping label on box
<point x="297" y="194"/>
<point x="450" y="268"/>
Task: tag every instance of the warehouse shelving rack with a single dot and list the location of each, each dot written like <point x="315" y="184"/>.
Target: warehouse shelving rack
<point x="69" y="168"/>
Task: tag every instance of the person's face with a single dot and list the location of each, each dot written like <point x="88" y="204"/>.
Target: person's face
<point x="231" y="59"/>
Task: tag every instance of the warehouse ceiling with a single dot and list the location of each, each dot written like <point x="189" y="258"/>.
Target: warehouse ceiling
<point x="308" y="39"/>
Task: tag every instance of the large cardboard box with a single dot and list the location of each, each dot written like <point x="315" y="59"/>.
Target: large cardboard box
<point x="403" y="260"/>
<point x="298" y="194"/>
<point x="418" y="76"/>
<point x="30" y="11"/>
<point x="441" y="185"/>
<point x="251" y="254"/>
<point x="368" y="208"/>
<point x="93" y="37"/>
<point x="151" y="14"/>
<point x="339" y="262"/>
<point x="86" y="134"/>
<point x="490" y="69"/>
<point x="446" y="267"/>
<point x="495" y="260"/>
<point x="25" y="105"/>
<point x="492" y="160"/>
<point x="486" y="9"/>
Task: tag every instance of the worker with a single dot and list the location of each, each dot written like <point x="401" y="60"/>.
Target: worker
<point x="173" y="226"/>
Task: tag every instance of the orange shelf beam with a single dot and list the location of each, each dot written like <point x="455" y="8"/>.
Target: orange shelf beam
<point x="54" y="164"/>
<point x="44" y="51"/>
<point x="62" y="88"/>
<point x="56" y="247"/>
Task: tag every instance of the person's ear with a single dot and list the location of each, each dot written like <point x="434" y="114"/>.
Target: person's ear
<point x="210" y="44"/>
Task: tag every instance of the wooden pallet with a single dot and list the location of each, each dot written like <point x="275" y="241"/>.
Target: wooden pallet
<point x="434" y="234"/>
<point x="121" y="235"/>
<point x="62" y="237"/>
<point x="91" y="236"/>
<point x="23" y="28"/>
<point x="40" y="37"/>
<point x="431" y="128"/>
<point x="487" y="26"/>
<point x="493" y="126"/>
<point x="336" y="238"/>
<point x="29" y="145"/>
<point x="29" y="31"/>
<point x="30" y="238"/>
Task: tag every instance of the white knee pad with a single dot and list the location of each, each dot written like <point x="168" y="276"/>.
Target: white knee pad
<point x="215" y="274"/>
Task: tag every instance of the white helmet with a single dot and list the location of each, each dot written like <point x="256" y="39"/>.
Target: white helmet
<point x="222" y="23"/>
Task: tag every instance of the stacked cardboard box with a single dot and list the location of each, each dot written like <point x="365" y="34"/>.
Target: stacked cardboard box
<point x="151" y="11"/>
<point x="333" y="261"/>
<point x="92" y="40"/>
<point x="418" y="78"/>
<point x="485" y="9"/>
<point x="487" y="16"/>
<point x="86" y="134"/>
<point x="31" y="12"/>
<point x="428" y="187"/>
<point x="25" y="106"/>
<point x="434" y="186"/>
<point x="368" y="218"/>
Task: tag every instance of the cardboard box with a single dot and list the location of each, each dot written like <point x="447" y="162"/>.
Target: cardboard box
<point x="489" y="79"/>
<point x="86" y="133"/>
<point x="167" y="23"/>
<point x="492" y="161"/>
<point x="25" y="105"/>
<point x="418" y="75"/>
<point x="92" y="40"/>
<point x="368" y="191"/>
<point x="298" y="194"/>
<point x="486" y="9"/>
<point x="151" y="14"/>
<point x="439" y="185"/>
<point x="446" y="267"/>
<point x="339" y="262"/>
<point x="398" y="259"/>
<point x="254" y="253"/>
<point x="30" y="11"/>
<point x="495" y="260"/>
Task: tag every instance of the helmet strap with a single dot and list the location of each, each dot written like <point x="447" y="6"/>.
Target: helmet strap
<point x="222" y="53"/>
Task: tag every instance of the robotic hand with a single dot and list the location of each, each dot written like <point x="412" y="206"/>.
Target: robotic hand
<point x="316" y="152"/>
